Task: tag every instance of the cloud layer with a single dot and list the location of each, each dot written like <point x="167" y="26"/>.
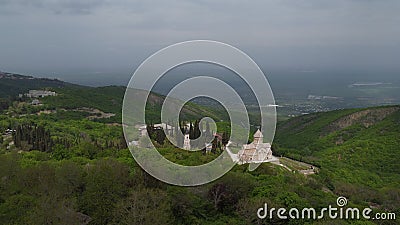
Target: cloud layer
<point x="91" y="35"/>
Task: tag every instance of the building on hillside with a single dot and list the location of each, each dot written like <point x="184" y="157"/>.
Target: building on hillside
<point x="35" y="102"/>
<point x="208" y="147"/>
<point x="40" y="93"/>
<point x="9" y="131"/>
<point x="143" y="128"/>
<point x="255" y="152"/>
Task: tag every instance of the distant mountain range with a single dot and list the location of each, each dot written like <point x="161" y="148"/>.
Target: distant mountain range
<point x="13" y="84"/>
<point x="107" y="99"/>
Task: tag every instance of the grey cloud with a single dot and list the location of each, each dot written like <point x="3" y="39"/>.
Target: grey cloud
<point x="54" y="6"/>
<point x="111" y="33"/>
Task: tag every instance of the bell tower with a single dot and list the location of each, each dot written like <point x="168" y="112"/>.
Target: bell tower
<point x="186" y="142"/>
<point x="258" y="137"/>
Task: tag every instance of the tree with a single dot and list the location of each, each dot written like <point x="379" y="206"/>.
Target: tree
<point x="225" y="194"/>
<point x="159" y="136"/>
<point x="225" y="138"/>
<point x="55" y="210"/>
<point x="15" y="208"/>
<point x="217" y="195"/>
<point x="107" y="182"/>
<point x="186" y="207"/>
<point x="143" y="206"/>
<point x="4" y="104"/>
<point x="191" y="131"/>
<point x="196" y="130"/>
<point x="33" y="137"/>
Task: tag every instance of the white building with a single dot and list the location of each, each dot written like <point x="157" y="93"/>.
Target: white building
<point x="40" y="93"/>
<point x="9" y="132"/>
<point x="186" y="142"/>
<point x="208" y="147"/>
<point x="134" y="143"/>
<point x="35" y="102"/>
<point x="143" y="129"/>
<point x="255" y="152"/>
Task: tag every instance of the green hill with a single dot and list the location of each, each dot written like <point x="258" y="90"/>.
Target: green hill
<point x="357" y="149"/>
<point x="107" y="99"/>
<point x="13" y="84"/>
<point x="89" y="175"/>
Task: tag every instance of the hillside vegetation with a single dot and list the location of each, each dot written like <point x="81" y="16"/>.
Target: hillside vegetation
<point x="59" y="166"/>
<point x="358" y="150"/>
<point x="109" y="99"/>
<point x="13" y="84"/>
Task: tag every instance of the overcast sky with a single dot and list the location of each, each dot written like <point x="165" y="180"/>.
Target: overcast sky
<point x="64" y="38"/>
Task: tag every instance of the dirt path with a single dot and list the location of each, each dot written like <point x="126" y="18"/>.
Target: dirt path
<point x="294" y="165"/>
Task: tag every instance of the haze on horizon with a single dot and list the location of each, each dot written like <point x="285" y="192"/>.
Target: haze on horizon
<point x="102" y="41"/>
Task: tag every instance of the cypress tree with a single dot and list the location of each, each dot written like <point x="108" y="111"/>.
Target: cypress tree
<point x="191" y="131"/>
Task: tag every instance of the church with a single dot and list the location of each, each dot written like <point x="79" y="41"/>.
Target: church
<point x="255" y="152"/>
